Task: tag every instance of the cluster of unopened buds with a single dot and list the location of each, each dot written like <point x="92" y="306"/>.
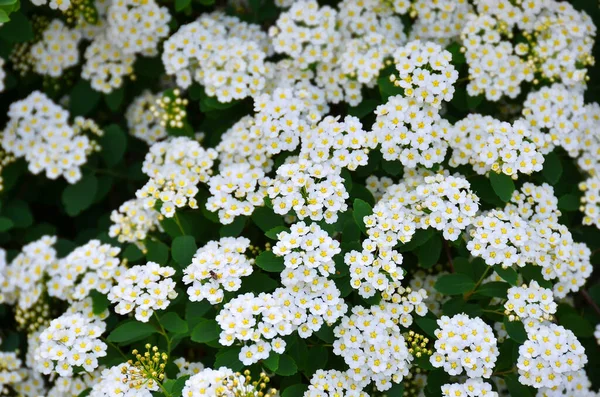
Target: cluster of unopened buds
<point x="170" y="109"/>
<point x="147" y="369"/>
<point x="235" y="388"/>
<point x="417" y="344"/>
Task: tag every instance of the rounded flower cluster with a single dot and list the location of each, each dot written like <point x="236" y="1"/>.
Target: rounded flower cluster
<point x="24" y="277"/>
<point x="218" y="266"/>
<point x="57" y="50"/>
<point x="333" y="383"/>
<point x="143" y="288"/>
<point x="307" y="33"/>
<point x="132" y="222"/>
<point x="489" y="145"/>
<point x="411" y="132"/>
<point x="311" y="190"/>
<point x="370" y="342"/>
<point x="435" y="299"/>
<point x="590" y="201"/>
<point x="471" y="388"/>
<point x="425" y="72"/>
<point x="378" y="186"/>
<point x="530" y="302"/>
<point x="223" y="382"/>
<point x="93" y="266"/>
<point x="549" y="356"/>
<point x="70" y="341"/>
<point x="106" y="64"/>
<point x="466" y="345"/>
<point x="39" y="131"/>
<point x="10" y="370"/>
<point x="576" y="384"/>
<point x="141" y="120"/>
<point x="343" y="144"/>
<point x="115" y="381"/>
<point x="136" y="26"/>
<point x="75" y="385"/>
<point x="440" y="21"/>
<point x="224" y="54"/>
<point x="175" y="167"/>
<point x="237" y="190"/>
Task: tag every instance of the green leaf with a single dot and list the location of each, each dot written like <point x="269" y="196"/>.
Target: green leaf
<point x="173" y="323"/>
<point x="115" y="99"/>
<point x="366" y="107"/>
<point x="99" y="302"/>
<point x="229" y="358"/>
<point x="515" y="388"/>
<point x="234" y="229"/>
<point x="454" y="284"/>
<point x="5" y="224"/>
<point x="503" y="185"/>
<point x="266" y="219"/>
<point x="132" y="253"/>
<point x="429" y="325"/>
<point x="270" y="262"/>
<point x="361" y="209"/>
<point x="181" y="4"/>
<point x="131" y="331"/>
<point x="296" y="390"/>
<point x="568" y="202"/>
<point x="157" y="252"/>
<point x="576" y="323"/>
<point x="553" y="169"/>
<point x="114" y="144"/>
<point x="18" y="29"/>
<point x="429" y="253"/>
<point x="206" y="331"/>
<point x="393" y="168"/>
<point x="3" y="16"/>
<point x="272" y="362"/>
<point x="396" y="391"/>
<point x="19" y="213"/>
<point x="509" y="274"/>
<point x="287" y="366"/>
<point x="175" y="386"/>
<point x="515" y="330"/>
<point x="183" y="249"/>
<point x="83" y="99"/>
<point x="80" y="196"/>
<point x="258" y="282"/>
<point x="494" y="289"/>
<point x="272" y="233"/>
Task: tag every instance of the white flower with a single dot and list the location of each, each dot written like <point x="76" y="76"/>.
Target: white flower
<point x="132" y="222"/>
<point x="57" y="50"/>
<point x="332" y="383"/>
<point x="106" y="64"/>
<point x="472" y="388"/>
<point x="115" y="381"/>
<point x="141" y="120"/>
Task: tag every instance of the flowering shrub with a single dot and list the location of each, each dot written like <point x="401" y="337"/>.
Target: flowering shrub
<point x="299" y="198"/>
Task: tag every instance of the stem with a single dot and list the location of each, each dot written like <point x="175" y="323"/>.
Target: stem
<point x="494" y="311"/>
<point x="164" y="333"/>
<point x="115" y="347"/>
<point x="590" y="301"/>
<point x="448" y="255"/>
<point x="165" y="392"/>
<point x="508" y="371"/>
<point x="468" y="294"/>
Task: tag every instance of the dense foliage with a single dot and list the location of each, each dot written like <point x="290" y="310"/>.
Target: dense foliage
<point x="299" y="198"/>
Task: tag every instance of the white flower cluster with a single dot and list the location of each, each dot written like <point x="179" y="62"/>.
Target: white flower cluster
<point x="466" y="345"/>
<point x="92" y="266"/>
<point x="39" y="131"/>
<point x="75" y="385"/>
<point x="372" y="346"/>
<point x="137" y="26"/>
<point x="560" y="112"/>
<point x="590" y="201"/>
<point x="187" y="368"/>
<point x="490" y="145"/>
<point x="224" y="54"/>
<point x="70" y="341"/>
<point x="307" y="33"/>
<point x="106" y="64"/>
<point x="576" y="384"/>
<point x="143" y="288"/>
<point x="175" y="168"/>
<point x="471" y="388"/>
<point x="339" y="144"/>
<point x="217" y="267"/>
<point x="222" y="382"/>
<point x="549" y="356"/>
<point x="425" y="72"/>
<point x="411" y="132"/>
<point x="440" y="21"/>
<point x="435" y="299"/>
<point x="115" y="381"/>
<point x="530" y="302"/>
<point x="11" y="372"/>
<point x="378" y="186"/>
<point x="57" y="50"/>
<point x="141" y="120"/>
<point x="332" y="383"/>
<point x="62" y="5"/>
<point x="311" y="190"/>
<point x="24" y="277"/>
<point x="237" y="190"/>
<point x="132" y="222"/>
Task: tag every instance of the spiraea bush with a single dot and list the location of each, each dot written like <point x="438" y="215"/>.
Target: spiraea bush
<point x="262" y="198"/>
